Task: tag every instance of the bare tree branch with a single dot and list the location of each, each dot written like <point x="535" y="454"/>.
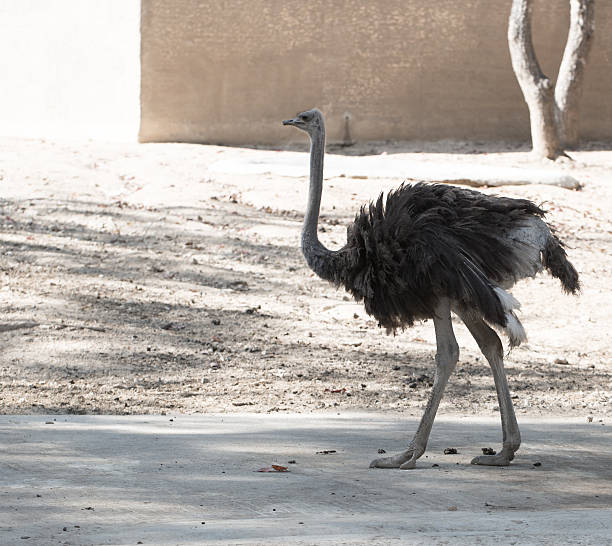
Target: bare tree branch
<point x="536" y="87"/>
<point x="571" y="72"/>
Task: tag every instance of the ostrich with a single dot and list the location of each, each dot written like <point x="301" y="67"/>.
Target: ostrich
<point x="427" y="250"/>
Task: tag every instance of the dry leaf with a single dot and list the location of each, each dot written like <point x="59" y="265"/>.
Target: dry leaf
<point x="273" y="468"/>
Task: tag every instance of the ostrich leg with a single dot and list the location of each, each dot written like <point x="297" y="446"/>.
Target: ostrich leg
<point x="446" y="358"/>
<point x="491" y="348"/>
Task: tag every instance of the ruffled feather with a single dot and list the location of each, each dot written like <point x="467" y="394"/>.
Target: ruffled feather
<point x="424" y="242"/>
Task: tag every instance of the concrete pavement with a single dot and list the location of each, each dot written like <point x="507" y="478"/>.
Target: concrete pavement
<point x="192" y="479"/>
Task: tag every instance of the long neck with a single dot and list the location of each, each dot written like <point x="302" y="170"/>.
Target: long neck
<point x="317" y="256"/>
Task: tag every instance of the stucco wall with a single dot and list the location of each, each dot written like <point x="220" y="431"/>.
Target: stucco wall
<point x="70" y="68"/>
<point x="227" y="72"/>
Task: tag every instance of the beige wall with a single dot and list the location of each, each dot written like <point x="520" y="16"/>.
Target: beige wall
<point x="228" y="72"/>
<point x="70" y="68"/>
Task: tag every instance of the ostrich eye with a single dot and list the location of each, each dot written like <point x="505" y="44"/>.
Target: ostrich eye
<point x="305" y="117"/>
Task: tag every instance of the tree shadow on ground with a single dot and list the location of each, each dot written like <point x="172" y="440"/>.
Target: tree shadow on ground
<point x="130" y="309"/>
<point x="101" y="475"/>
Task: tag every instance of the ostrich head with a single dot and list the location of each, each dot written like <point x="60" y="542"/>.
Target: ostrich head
<point x="310" y="121"/>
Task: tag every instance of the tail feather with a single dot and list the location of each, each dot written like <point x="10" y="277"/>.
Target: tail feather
<point x="514" y="330"/>
<point x="555" y="261"/>
<point x="513" y="327"/>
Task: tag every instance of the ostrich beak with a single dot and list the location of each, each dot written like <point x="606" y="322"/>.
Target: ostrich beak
<point x="296" y="122"/>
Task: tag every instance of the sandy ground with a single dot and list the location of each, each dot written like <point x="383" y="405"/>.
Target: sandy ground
<point x="146" y="279"/>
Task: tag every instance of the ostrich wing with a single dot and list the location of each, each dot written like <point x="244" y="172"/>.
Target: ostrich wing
<point x="427" y="242"/>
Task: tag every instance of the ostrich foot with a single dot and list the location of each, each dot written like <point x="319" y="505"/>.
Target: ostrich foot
<point x="502" y="458"/>
<point x="404" y="461"/>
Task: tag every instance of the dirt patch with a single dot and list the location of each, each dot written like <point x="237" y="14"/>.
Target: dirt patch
<point x="133" y="280"/>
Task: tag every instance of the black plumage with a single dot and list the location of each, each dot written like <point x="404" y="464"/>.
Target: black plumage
<point x="427" y="241"/>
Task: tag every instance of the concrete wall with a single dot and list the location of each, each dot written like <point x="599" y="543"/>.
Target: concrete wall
<point x="70" y="68"/>
<point x="228" y="72"/>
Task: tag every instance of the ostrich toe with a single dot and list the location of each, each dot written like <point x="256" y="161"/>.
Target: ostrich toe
<point x="502" y="458"/>
<point x="405" y="460"/>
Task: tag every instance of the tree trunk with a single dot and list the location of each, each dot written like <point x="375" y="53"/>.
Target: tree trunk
<point x="536" y="87"/>
<point x="571" y="72"/>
